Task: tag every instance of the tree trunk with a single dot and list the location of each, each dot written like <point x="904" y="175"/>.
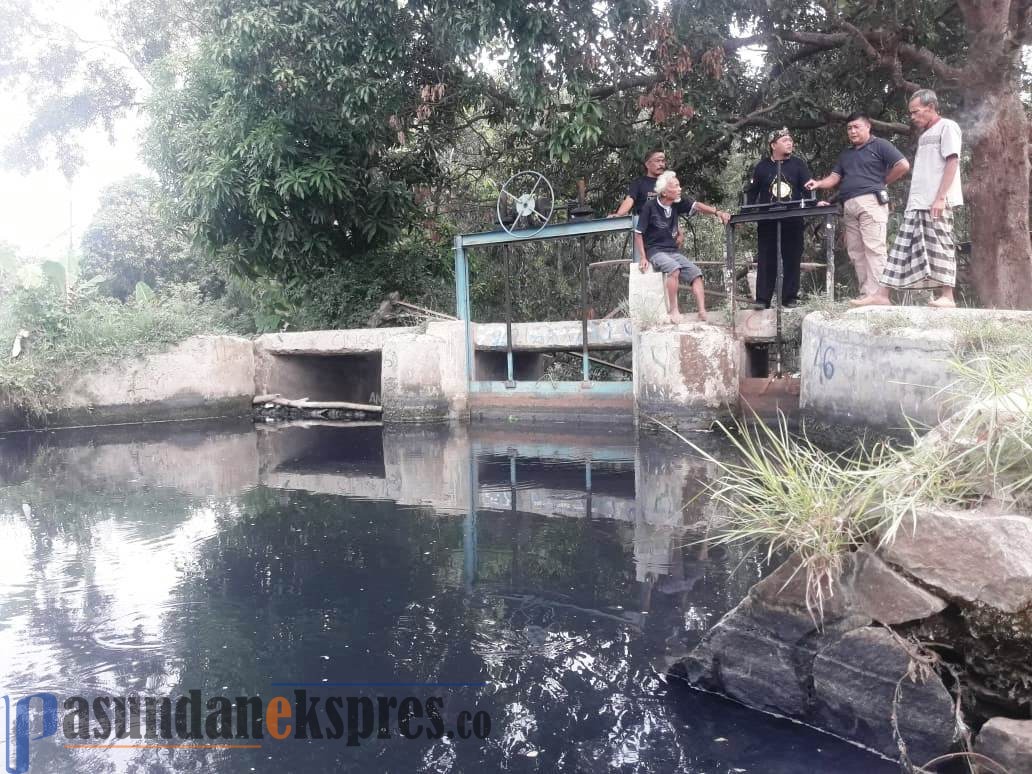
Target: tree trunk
<point x="997" y="129"/>
<point x="997" y="192"/>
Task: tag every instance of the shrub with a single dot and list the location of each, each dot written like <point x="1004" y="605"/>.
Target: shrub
<point x="73" y="333"/>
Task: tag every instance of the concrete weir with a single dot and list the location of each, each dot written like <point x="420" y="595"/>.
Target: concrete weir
<point x="686" y="374"/>
<point x="683" y="375"/>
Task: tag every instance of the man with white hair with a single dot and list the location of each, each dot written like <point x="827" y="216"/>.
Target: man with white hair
<point x="923" y="254"/>
<point x="656" y="240"/>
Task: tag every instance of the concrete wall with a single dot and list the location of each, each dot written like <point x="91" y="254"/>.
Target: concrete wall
<point x="552" y="336"/>
<point x="204" y="376"/>
<point x="346" y="342"/>
<point x="882" y="366"/>
<point x="687" y="374"/>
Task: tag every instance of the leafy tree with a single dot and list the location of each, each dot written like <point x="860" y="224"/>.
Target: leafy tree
<point x="131" y="240"/>
<point x="296" y="136"/>
<point x="71" y="84"/>
<point x="825" y="58"/>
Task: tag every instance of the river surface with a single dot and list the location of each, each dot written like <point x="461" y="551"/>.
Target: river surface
<point x="528" y="588"/>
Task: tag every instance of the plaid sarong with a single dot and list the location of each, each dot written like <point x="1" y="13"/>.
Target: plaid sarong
<point x="923" y="254"/>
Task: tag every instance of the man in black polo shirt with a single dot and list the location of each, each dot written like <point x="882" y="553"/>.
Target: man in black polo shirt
<point x="656" y="238"/>
<point x="643" y="188"/>
<point x="779" y="177"/>
<point x="863" y="172"/>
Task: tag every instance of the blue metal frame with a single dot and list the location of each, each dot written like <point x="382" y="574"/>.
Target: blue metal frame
<point x="580" y="228"/>
<point x="545" y="387"/>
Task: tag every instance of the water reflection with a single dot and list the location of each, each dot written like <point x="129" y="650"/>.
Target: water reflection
<point x="561" y="571"/>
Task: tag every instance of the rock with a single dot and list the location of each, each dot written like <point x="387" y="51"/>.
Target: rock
<point x="866" y="590"/>
<point x="976" y="556"/>
<point x="745" y="657"/>
<point x="760" y="653"/>
<point x="1008" y="742"/>
<point x="785" y="590"/>
<point x="854" y="681"/>
<point x="885" y="595"/>
<point x="767" y="651"/>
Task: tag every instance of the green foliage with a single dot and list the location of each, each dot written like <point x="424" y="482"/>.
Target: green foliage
<point x="984" y="450"/>
<point x="55" y="276"/>
<point x="69" y="336"/>
<point x="345" y="295"/>
<point x="292" y="140"/>
<point x="787" y="495"/>
<point x="132" y="239"/>
<point x="274" y="134"/>
<point x="142" y="294"/>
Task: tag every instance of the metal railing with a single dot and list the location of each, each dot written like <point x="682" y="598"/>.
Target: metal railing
<point x="580" y="230"/>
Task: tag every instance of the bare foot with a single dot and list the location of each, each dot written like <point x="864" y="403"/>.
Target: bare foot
<point x="702" y="317"/>
<point x="675" y="318"/>
<point x="943" y="303"/>
<point x="870" y="301"/>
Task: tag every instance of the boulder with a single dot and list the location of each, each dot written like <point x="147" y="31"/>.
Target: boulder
<point x="885" y="595"/>
<point x="976" y="556"/>
<point x="1008" y="742"/>
<point x="755" y="655"/>
<point x="854" y="682"/>
<point x="769" y="652"/>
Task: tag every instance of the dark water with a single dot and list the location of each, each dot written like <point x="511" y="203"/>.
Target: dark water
<point x="543" y="584"/>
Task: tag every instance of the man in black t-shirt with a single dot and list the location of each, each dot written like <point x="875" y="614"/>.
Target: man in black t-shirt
<point x="862" y="173"/>
<point x="643" y="188"/>
<point x="657" y="240"/>
<point x="779" y="177"/>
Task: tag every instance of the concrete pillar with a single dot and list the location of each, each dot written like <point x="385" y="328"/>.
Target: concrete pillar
<point x="424" y="375"/>
<point x="685" y="376"/>
<point x="646" y="297"/>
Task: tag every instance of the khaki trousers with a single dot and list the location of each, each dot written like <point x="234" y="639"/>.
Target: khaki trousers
<point x="865" y="221"/>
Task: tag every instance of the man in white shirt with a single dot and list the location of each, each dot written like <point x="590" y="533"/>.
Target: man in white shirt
<point x="923" y="254"/>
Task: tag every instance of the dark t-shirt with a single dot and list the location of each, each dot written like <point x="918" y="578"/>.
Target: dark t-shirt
<point x="659" y="229"/>
<point x="641" y="189"/>
<point x="863" y="169"/>
<point x="794" y="174"/>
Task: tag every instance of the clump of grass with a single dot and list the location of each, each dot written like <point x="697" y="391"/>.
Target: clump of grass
<point x="983" y="451"/>
<point x="982" y="335"/>
<point x="70" y="335"/>
<point x="888" y="322"/>
<point x="786" y="494"/>
<point x="819" y="302"/>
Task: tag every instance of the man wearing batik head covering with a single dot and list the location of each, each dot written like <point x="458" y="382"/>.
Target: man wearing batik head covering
<point x="923" y="254"/>
<point x="777" y="178"/>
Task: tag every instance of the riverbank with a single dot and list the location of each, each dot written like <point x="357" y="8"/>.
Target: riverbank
<point x="905" y="620"/>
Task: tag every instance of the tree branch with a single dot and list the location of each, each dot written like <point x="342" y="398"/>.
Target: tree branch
<point x="760" y="118"/>
<point x="870" y="41"/>
<point x="601" y="92"/>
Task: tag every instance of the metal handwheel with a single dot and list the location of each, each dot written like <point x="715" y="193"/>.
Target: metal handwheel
<point x="529" y="210"/>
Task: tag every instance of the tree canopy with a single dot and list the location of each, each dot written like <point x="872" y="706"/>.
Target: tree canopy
<point x="295" y="136"/>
